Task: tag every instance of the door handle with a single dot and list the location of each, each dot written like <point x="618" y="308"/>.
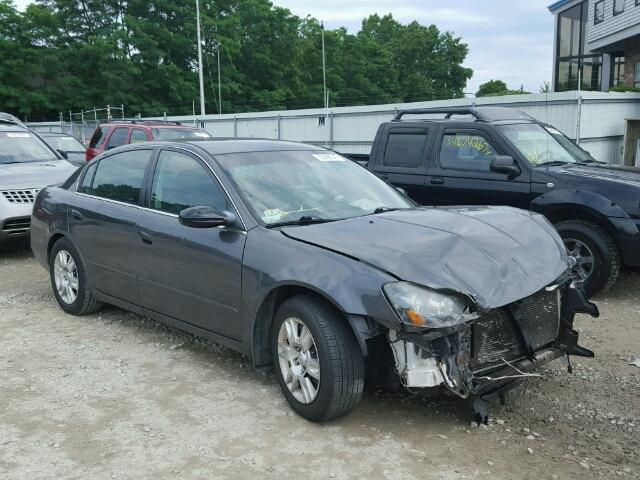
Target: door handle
<point x="437" y="181"/>
<point x="76" y="215"/>
<point x="145" y="237"/>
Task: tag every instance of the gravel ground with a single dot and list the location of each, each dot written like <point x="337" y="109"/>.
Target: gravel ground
<point x="117" y="396"/>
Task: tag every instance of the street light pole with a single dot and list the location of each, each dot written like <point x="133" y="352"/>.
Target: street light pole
<point x="200" y="67"/>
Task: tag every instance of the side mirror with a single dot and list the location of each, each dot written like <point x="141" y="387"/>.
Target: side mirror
<point x="64" y="154"/>
<point x="205" y="217"/>
<point x="504" y="164"/>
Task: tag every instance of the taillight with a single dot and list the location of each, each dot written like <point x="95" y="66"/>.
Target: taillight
<point x="89" y="154"/>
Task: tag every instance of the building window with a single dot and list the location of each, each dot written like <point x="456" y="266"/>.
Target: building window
<point x="618" y="6"/>
<point x="617" y="70"/>
<point x="598" y="12"/>
<point x="571" y="62"/>
<point x="637" y="75"/>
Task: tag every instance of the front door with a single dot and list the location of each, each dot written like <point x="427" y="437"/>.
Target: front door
<point x="460" y="174"/>
<point x="103" y="222"/>
<point x="190" y="274"/>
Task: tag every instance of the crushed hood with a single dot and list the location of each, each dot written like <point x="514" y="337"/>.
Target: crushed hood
<point x="496" y="255"/>
<point x="34" y="174"/>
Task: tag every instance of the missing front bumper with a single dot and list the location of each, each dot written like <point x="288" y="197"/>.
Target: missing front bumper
<point x="431" y="359"/>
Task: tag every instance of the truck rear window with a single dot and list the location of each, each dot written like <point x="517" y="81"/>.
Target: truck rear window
<point x="405" y="149"/>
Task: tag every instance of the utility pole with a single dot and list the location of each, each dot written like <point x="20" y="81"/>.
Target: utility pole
<point x="200" y="69"/>
<point x="324" y="70"/>
<point x="216" y="46"/>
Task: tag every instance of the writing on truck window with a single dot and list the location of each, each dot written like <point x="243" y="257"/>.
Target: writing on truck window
<point x="472" y="141"/>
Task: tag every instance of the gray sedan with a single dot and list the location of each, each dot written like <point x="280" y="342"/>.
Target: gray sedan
<point x="307" y="262"/>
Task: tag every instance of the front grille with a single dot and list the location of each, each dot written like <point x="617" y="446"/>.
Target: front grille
<point x="16" y="226"/>
<point x="20" y="196"/>
<point x="494" y="337"/>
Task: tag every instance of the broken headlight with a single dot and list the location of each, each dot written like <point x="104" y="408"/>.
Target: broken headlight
<point x="421" y="307"/>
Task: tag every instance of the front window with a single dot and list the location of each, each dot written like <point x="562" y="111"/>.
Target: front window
<point x="466" y="151"/>
<point x="544" y="145"/>
<point x="572" y="63"/>
<point x="180" y="134"/>
<point x="67" y="144"/>
<point x="23" y="147"/>
<point x="288" y="186"/>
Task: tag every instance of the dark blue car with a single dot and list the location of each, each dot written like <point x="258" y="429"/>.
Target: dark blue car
<point x="305" y="261"/>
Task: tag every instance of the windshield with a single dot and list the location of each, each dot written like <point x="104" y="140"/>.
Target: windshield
<point x="541" y="145"/>
<point x="180" y="134"/>
<point x="67" y="144"/>
<point x="287" y="186"/>
<point x="23" y="147"/>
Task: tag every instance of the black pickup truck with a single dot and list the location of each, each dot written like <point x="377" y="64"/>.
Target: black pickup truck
<point x="501" y="156"/>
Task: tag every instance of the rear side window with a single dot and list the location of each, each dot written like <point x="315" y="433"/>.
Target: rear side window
<point x="405" y="149"/>
<point x="138" y="136"/>
<point x="97" y="136"/>
<point x="120" y="176"/>
<point x="87" y="180"/>
<point x="118" y="137"/>
<point x="466" y="151"/>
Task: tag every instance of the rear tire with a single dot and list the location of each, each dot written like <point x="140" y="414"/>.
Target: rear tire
<point x="335" y="388"/>
<point x="70" y="281"/>
<point x="583" y="236"/>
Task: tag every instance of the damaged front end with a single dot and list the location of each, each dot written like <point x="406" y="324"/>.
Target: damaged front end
<point x="480" y="353"/>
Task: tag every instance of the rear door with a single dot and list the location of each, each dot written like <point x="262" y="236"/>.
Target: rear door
<point x="191" y="274"/>
<point x="103" y="222"/>
<point x="460" y="174"/>
<point x="401" y="158"/>
<point x="138" y="135"/>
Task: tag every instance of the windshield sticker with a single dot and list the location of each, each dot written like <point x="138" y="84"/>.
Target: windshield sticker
<point x="272" y="215"/>
<point x="201" y="135"/>
<point x="18" y="135"/>
<point x="328" y="157"/>
<point x="477" y="143"/>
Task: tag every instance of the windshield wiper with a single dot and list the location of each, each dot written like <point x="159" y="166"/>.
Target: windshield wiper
<point x="384" y="210"/>
<point x="304" y="220"/>
<point x="554" y="163"/>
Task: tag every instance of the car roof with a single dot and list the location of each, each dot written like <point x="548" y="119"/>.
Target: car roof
<point x="223" y="147"/>
<point x="147" y="123"/>
<point x="10" y="127"/>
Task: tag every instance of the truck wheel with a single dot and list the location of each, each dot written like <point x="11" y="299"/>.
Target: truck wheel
<point x="317" y="360"/>
<point x="70" y="281"/>
<point x="597" y="261"/>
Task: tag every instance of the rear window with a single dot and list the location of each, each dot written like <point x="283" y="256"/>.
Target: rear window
<point x="97" y="136"/>
<point x="23" y="147"/>
<point x="179" y="134"/>
<point x="405" y="149"/>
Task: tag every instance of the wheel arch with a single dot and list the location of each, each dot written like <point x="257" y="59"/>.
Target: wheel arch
<point x="263" y="319"/>
<point x="52" y="241"/>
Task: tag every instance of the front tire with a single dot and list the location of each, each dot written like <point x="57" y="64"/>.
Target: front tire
<point x="70" y="281"/>
<point x="317" y="360"/>
<point x="596" y="256"/>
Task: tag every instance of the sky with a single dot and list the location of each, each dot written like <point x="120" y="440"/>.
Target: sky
<point x="510" y="40"/>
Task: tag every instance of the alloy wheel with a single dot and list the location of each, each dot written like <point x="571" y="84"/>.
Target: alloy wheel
<point x="298" y="359"/>
<point x="583" y="259"/>
<point x="65" y="274"/>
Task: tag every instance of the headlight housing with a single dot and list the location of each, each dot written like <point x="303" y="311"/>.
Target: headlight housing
<point x="422" y="307"/>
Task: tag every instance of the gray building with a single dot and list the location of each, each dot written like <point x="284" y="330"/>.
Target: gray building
<point x="597" y="41"/>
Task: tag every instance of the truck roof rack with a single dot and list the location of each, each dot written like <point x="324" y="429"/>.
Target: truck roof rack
<point x="483" y="114"/>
